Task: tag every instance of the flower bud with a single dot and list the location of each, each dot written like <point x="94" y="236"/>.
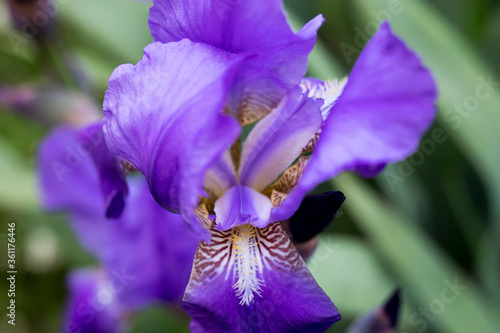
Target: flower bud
<point x="315" y="213"/>
<point x="381" y="320"/>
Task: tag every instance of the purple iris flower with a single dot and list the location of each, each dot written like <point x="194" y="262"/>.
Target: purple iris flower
<point x="275" y="56"/>
<point x="92" y="306"/>
<point x="172" y="117"/>
<point x="146" y="253"/>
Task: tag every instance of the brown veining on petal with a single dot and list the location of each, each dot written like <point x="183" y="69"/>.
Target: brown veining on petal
<point x="241" y="255"/>
<point x="305" y="249"/>
<point x="127" y="167"/>
<point x="202" y="212"/>
<point x="311" y="144"/>
<point x="211" y="259"/>
<point x="281" y="188"/>
<point x="282" y="254"/>
<point x="254" y="107"/>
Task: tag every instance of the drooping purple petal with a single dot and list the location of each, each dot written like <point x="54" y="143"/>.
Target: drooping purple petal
<point x="68" y="158"/>
<point x="68" y="180"/>
<point x="258" y="28"/>
<point x="385" y="108"/>
<point x="147" y="250"/>
<point x="113" y="185"/>
<point x="278" y="139"/>
<point x="241" y="205"/>
<point x="151" y="250"/>
<point x="251" y="279"/>
<point x="92" y="306"/>
<point x="164" y="115"/>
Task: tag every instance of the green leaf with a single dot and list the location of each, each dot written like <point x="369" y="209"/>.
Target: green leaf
<point x="18" y="190"/>
<point x="157" y="319"/>
<point x="106" y="34"/>
<point x="417" y="264"/>
<point x="350" y="274"/>
<point x="118" y="26"/>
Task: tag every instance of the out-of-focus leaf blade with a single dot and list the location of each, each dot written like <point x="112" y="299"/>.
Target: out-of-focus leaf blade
<point x="349" y="273"/>
<point x="108" y="22"/>
<point x="156" y="320"/>
<point x="418" y="265"/>
<point x="108" y="37"/>
<point x="18" y="191"/>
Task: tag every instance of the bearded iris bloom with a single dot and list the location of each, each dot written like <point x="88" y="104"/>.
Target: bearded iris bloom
<point x="146" y="254"/>
<point x="173" y="117"/>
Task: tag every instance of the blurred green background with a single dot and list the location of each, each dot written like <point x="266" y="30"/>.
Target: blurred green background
<point x="420" y="225"/>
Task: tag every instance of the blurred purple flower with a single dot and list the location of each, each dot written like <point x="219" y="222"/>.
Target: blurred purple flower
<point x="165" y="116"/>
<point x="92" y="306"/>
<point x="146" y="253"/>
